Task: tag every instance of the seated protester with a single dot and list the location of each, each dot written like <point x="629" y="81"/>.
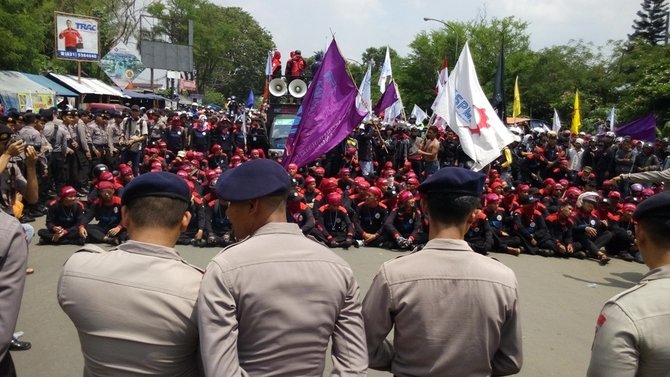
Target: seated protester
<point x="389" y="191"/>
<point x="333" y="222"/>
<point x="218" y="226"/>
<point x="296" y="177"/>
<point x="614" y="198"/>
<point x="589" y="231"/>
<point x="623" y="231"/>
<point x="561" y="170"/>
<point x="310" y="192"/>
<point x="165" y="153"/>
<point x="571" y="195"/>
<point x="560" y="226"/>
<point x="195" y="232"/>
<point x="327" y="186"/>
<point x="64" y="220"/>
<point x="479" y="235"/>
<point x="530" y="226"/>
<point x="499" y="220"/>
<point x="217" y="159"/>
<point x="553" y="201"/>
<point x="583" y="177"/>
<point x="104" y="177"/>
<point x="299" y="213"/>
<point x="345" y="182"/>
<point x="370" y="218"/>
<point x="535" y="193"/>
<point x="107" y="210"/>
<point x="404" y="225"/>
<point x="359" y="192"/>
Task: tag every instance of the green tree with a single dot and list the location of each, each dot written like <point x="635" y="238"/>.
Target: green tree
<point x="230" y="47"/>
<point x="651" y="25"/>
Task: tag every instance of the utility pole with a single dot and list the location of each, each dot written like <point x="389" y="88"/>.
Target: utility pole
<point x="667" y="26"/>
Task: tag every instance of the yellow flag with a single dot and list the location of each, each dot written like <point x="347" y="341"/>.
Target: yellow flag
<point x="576" y="117"/>
<point x="516" y="107"/>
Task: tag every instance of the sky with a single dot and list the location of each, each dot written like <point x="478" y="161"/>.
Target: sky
<point x="358" y="24"/>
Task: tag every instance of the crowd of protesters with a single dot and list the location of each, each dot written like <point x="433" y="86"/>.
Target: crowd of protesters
<point x="550" y="194"/>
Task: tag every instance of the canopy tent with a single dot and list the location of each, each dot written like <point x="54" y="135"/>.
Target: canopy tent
<point x="19" y="92"/>
<point x="56" y="87"/>
<point x="145" y="99"/>
<point x="90" y="90"/>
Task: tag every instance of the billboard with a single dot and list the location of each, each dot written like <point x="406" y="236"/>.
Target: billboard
<point x="161" y="55"/>
<point x="122" y="65"/>
<point x="77" y="37"/>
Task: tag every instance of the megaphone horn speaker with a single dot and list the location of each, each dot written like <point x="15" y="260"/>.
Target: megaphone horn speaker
<point x="277" y="87"/>
<point x="297" y="88"/>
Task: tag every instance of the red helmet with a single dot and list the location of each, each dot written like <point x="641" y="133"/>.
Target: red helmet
<point x="182" y="174"/>
<point x="319" y="170"/>
<point x="364" y="186"/>
<point x="67" y="192"/>
<point x="388" y="165"/>
<point x="309" y="180"/>
<point x="389" y="173"/>
<point x="292" y="167"/>
<point x="328" y="185"/>
<point x="175" y="121"/>
<point x="381" y="183"/>
<point x="216" y="148"/>
<point x="376" y="192"/>
<point x="190" y="155"/>
<point x="345" y="171"/>
<point x="106" y="176"/>
<point x="350" y="151"/>
<point x="156" y="165"/>
<point x="491" y="197"/>
<point x="629" y="207"/>
<point x="614" y="194"/>
<point x="412" y="182"/>
<point x="549" y="181"/>
<point x="104" y="185"/>
<point x="404" y="197"/>
<point x="162" y="144"/>
<point x="199" y="156"/>
<point x="335" y="199"/>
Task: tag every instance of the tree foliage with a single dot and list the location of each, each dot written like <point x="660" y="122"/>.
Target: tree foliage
<point x="229" y="49"/>
<point x="651" y="25"/>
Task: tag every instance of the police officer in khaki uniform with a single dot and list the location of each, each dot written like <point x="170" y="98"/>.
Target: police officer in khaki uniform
<point x="455" y="312"/>
<point x="632" y="328"/>
<point x="13" y="260"/>
<point x="134" y="306"/>
<point x="269" y="305"/>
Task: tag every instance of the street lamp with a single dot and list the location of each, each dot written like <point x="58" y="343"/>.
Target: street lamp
<point x="448" y="27"/>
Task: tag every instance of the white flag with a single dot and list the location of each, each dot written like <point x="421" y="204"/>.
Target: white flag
<point x="470" y="114"/>
<point x="419" y="114"/>
<point x="612" y="119"/>
<point x="392" y="112"/>
<point x="364" y="98"/>
<point x="557" y="122"/>
<point x="268" y="65"/>
<point x="386" y="71"/>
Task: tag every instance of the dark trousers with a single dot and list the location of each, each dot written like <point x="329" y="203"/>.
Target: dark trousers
<point x="98" y="232"/>
<point x="133" y="158"/>
<point x="83" y="168"/>
<point x="592" y="245"/>
<point x="7" y="366"/>
<point x="57" y="171"/>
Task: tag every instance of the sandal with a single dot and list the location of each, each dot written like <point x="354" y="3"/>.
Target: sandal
<point x="603" y="259"/>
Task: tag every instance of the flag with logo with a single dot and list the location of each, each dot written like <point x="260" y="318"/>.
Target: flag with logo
<point x="364" y="99"/>
<point x="328" y="112"/>
<point x="442" y="75"/>
<point x="556" y="126"/>
<point x="576" y="116"/>
<point x="386" y="71"/>
<point x="419" y="114"/>
<point x="498" y="101"/>
<point x="470" y="115"/>
<point x="387" y="99"/>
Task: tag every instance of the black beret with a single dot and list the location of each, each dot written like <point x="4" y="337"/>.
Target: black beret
<point x="454" y="181"/>
<point x="657" y="206"/>
<point x="251" y="180"/>
<point x="161" y="184"/>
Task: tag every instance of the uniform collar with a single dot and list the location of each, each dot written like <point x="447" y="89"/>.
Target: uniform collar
<point x="657" y="273"/>
<point x="274" y="228"/>
<point x="448" y="244"/>
<point x="152" y="250"/>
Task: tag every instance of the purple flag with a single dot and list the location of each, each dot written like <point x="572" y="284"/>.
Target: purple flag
<point x="388" y="98"/>
<point x="640" y="129"/>
<point x="328" y="112"/>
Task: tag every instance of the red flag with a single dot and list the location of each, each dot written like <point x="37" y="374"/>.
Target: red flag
<point x="443" y="75"/>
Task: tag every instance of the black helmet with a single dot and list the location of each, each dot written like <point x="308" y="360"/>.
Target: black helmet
<point x="98" y="169"/>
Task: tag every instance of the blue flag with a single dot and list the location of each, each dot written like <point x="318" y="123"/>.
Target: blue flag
<point x="250" y="99"/>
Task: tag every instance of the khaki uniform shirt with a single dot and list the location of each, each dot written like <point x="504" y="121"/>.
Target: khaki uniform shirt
<point x="455" y="312"/>
<point x="269" y="305"/>
<point x="632" y="331"/>
<point x="134" y="309"/>
<point x="13" y="261"/>
<point x="650" y="177"/>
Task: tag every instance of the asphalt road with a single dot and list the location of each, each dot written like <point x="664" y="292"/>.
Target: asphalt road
<point x="560" y="301"/>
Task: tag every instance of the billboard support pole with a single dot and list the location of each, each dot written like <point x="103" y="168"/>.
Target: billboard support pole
<point x="152" y="78"/>
<point x="79" y="71"/>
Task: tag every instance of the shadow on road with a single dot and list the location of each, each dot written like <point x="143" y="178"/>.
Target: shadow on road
<point x="629" y="279"/>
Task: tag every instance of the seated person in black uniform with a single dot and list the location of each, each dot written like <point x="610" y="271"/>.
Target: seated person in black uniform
<point x="64" y="220"/>
<point x="333" y="222"/>
<point x="479" y="235"/>
<point x="370" y="217"/>
<point x="219" y="228"/>
<point x="404" y="225"/>
<point x="107" y="210"/>
<point x="299" y="213"/>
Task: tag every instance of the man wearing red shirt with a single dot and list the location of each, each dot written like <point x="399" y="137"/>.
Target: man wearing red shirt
<point x="71" y="36"/>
